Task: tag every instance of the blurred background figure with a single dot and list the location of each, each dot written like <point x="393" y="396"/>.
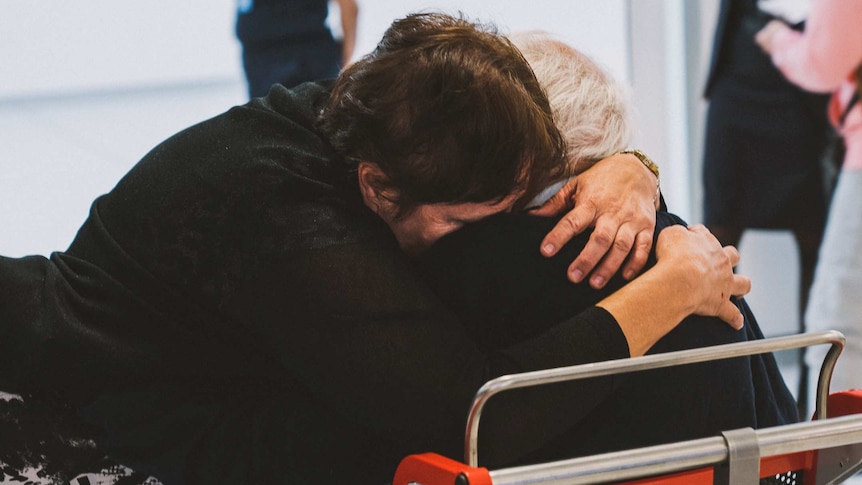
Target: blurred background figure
<point x="827" y="57"/>
<point x="294" y="41"/>
<point x="764" y="142"/>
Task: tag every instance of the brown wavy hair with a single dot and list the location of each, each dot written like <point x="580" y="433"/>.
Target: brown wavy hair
<point x="449" y="110"/>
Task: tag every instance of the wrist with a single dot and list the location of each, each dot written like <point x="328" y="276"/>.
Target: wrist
<point x="648" y="307"/>
<point x="647" y="162"/>
<point x="685" y="278"/>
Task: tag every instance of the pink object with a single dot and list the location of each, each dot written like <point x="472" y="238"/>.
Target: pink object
<point x="823" y="58"/>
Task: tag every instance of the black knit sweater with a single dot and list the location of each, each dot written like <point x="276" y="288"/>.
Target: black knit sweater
<point x="231" y="312"/>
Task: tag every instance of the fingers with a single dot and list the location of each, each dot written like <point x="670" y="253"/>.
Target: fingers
<point x="701" y="229"/>
<point x="638" y="258"/>
<point x="559" y="202"/>
<point x="741" y="285"/>
<point x="623" y="225"/>
<point x="573" y="223"/>
<point x="731" y="315"/>
<point x="595" y="250"/>
<point x="552" y="207"/>
<point x="625" y="246"/>
<point x="732" y="254"/>
<point x="611" y="244"/>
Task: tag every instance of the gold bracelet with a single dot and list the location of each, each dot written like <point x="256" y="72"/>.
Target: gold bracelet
<point x="648" y="163"/>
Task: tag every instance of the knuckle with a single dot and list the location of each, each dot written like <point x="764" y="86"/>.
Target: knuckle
<point x="602" y="238"/>
<point x="621" y="246"/>
<point x="585" y="261"/>
<point x="623" y="242"/>
<point x="570" y="222"/>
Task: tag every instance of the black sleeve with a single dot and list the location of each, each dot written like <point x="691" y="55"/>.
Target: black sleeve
<point x="493" y="277"/>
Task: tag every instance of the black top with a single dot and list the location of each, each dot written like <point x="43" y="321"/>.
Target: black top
<point x="765" y="136"/>
<point x="231" y="312"/>
<point x="282" y="21"/>
<point x="491" y="275"/>
<point x="736" y="57"/>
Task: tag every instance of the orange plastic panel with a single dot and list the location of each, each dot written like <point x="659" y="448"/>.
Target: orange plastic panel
<point x="780" y="464"/>
<point x="434" y="469"/>
<point x="700" y="476"/>
<point x="845" y="403"/>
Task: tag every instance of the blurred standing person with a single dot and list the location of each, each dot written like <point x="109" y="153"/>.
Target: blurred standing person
<point x="289" y="41"/>
<point x="764" y="140"/>
<point x="827" y="57"/>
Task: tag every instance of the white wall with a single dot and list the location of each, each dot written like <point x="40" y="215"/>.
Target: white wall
<point x="598" y="28"/>
<point x="658" y="65"/>
<point x="58" y="46"/>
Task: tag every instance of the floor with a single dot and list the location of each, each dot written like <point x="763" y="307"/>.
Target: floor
<point x="58" y="154"/>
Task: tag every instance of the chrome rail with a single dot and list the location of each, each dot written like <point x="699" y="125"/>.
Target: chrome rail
<point x="656" y="361"/>
<point x="686" y="455"/>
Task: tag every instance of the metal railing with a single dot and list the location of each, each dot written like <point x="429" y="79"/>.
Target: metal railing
<point x="703" y="451"/>
<point x="693" y="454"/>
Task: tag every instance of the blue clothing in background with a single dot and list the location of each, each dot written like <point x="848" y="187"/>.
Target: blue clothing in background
<point x="285" y="42"/>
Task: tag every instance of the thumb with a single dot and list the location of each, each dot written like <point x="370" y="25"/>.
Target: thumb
<point x="561" y="201"/>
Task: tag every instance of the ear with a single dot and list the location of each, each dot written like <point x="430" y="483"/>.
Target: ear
<point x="374" y="186"/>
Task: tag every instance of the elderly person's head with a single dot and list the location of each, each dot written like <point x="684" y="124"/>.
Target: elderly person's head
<point x="590" y="107"/>
<point x="446" y="124"/>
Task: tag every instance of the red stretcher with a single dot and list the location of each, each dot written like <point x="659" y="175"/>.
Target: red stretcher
<point x="826" y="450"/>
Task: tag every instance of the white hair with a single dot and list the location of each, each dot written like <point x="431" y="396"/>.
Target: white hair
<point x="590" y="107"/>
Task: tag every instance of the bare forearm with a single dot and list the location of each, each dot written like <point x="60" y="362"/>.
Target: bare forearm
<point x="649" y="307"/>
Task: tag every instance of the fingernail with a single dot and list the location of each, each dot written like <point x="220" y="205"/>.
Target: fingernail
<point x="629" y="274"/>
<point x="577" y="275"/>
<point x="548" y="249"/>
<point x="598" y="281"/>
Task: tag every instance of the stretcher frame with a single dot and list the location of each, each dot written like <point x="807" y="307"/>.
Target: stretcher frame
<point x="826" y="450"/>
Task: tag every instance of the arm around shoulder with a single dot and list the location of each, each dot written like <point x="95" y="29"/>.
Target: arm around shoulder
<point x="693" y="275"/>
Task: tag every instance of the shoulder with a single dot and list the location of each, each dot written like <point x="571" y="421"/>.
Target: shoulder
<point x="268" y="141"/>
<point x="514" y="238"/>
